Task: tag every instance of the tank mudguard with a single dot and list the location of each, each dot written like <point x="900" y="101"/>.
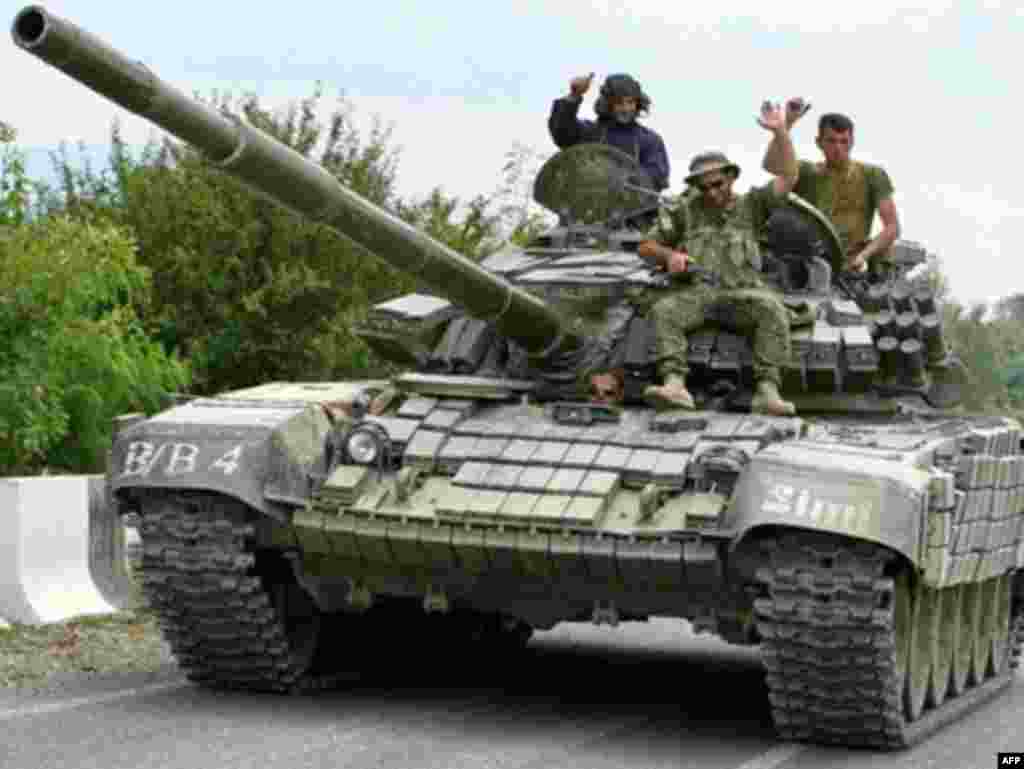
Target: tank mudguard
<point x="262" y="453"/>
<point x="864" y="494"/>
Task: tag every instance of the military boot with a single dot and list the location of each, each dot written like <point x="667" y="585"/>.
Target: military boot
<point x="768" y="401"/>
<point x="671" y="395"/>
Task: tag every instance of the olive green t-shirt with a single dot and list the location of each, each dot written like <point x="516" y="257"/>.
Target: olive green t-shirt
<point x="849" y="198"/>
<point x="724" y="241"/>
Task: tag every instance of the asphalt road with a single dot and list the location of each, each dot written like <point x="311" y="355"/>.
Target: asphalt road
<point x="643" y="696"/>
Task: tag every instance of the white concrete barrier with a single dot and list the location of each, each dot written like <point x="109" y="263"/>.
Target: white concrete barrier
<point x="45" y="537"/>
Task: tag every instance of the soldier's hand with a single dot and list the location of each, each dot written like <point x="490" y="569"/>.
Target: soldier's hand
<point x="796" y="108"/>
<point x="666" y="258"/>
<point x="856" y="263"/>
<point x="580" y="85"/>
<point x="678" y="261"/>
<point x="772" y="117"/>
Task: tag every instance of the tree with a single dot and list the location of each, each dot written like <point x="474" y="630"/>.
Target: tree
<point x="476" y="234"/>
<point x="72" y="351"/>
<point x="245" y="289"/>
<point x="15" y="186"/>
<point x="1010" y="308"/>
<point x="521" y="218"/>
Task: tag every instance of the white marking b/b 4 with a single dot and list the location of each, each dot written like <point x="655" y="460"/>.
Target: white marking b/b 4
<point x="143" y="457"/>
<point x="183" y="459"/>
<point x="229" y="462"/>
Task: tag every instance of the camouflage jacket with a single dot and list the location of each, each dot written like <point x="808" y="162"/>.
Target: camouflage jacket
<point x="724" y="241"/>
<point x="849" y="199"/>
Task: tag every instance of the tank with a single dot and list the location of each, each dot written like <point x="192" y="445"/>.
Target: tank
<point x="872" y="545"/>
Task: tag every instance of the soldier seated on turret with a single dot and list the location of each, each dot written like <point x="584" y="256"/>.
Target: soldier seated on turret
<point x="849" y="192"/>
<point x="718" y="230"/>
<point x="619" y="104"/>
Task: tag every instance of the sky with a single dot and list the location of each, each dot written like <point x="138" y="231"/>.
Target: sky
<point x="930" y="85"/>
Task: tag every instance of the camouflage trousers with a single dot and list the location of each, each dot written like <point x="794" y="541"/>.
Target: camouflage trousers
<point x="758" y="314"/>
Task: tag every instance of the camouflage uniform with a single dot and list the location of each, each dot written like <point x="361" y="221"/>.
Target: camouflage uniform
<point x="723" y="241"/>
<point x="849" y="198"/>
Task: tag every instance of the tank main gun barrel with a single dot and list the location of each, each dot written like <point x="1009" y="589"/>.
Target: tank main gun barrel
<point x="282" y="174"/>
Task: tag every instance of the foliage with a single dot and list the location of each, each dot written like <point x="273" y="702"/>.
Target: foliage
<point x="475" y="235"/>
<point x="522" y="219"/>
<point x="246" y="290"/>
<point x="14" y="184"/>
<point x="72" y="351"/>
<point x="985" y="338"/>
<point x="1010" y="308"/>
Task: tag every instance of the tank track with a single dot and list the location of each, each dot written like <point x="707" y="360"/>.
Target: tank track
<point x="214" y="611"/>
<point x="828" y="644"/>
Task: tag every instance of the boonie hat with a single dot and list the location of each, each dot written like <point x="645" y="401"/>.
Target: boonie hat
<point x="710" y="161"/>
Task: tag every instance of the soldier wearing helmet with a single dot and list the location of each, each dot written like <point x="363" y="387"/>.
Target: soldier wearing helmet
<point x="619" y="103"/>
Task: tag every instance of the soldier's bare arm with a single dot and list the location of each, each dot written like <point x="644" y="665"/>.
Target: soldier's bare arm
<point x="773" y="163"/>
<point x="890" y="232"/>
<point x="774" y="119"/>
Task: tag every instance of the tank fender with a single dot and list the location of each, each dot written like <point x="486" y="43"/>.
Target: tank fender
<point x="881" y="498"/>
<point x="263" y="453"/>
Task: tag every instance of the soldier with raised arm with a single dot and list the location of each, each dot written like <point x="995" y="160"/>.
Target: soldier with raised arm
<point x="619" y="104"/>
<point x="847" y="191"/>
<point x="718" y="229"/>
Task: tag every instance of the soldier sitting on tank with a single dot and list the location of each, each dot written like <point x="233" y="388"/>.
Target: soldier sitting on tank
<point x="718" y="230"/>
<point x="619" y="104"/>
<point x="850" y="193"/>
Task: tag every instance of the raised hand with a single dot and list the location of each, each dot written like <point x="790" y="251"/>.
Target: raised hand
<point x="772" y="117"/>
<point x="580" y="85"/>
<point x="796" y="108"/>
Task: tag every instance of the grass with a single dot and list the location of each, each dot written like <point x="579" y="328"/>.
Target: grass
<point x="126" y="641"/>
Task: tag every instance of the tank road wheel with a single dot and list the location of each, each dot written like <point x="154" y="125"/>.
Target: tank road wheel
<point x="974" y="625"/>
<point x="960" y="617"/>
<point x="999" y="624"/>
<point x="921" y="643"/>
<point x="903" y="625"/>
<point x="947" y="621"/>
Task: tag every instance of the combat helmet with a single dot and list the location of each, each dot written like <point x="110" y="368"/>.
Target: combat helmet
<point x="621" y="85"/>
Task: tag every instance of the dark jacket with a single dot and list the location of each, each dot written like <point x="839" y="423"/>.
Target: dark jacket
<point x="639" y="142"/>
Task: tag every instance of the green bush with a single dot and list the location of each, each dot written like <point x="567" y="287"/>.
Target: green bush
<point x="73" y="353"/>
<point x="246" y="290"/>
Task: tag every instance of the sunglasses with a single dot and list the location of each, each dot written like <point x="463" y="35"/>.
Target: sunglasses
<point x="706" y="187"/>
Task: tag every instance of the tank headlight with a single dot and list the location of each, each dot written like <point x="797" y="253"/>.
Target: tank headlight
<point x="364" y="447"/>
